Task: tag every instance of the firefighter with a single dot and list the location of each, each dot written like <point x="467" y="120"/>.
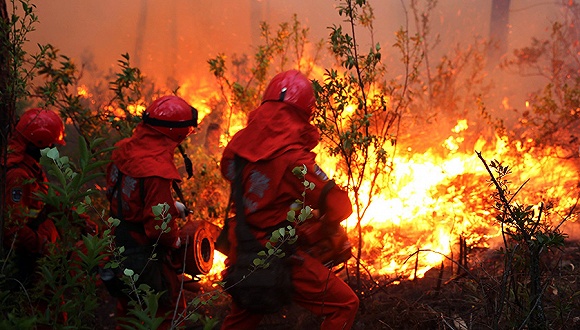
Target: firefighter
<point x="278" y="138"/>
<point x="139" y="177"/>
<point x="28" y="229"/>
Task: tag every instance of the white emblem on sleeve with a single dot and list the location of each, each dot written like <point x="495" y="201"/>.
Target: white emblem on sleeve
<point x="320" y="173"/>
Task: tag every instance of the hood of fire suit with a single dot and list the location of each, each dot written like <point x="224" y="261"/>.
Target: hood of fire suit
<point x="273" y="128"/>
<point x="146" y="153"/>
<point x="16" y="149"/>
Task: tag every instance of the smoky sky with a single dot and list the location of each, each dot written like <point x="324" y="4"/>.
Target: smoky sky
<point x="175" y="38"/>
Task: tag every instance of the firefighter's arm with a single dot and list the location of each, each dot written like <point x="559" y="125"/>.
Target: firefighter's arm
<point x="330" y="200"/>
<point x="33" y="236"/>
<point x="335" y="205"/>
<point x="323" y="237"/>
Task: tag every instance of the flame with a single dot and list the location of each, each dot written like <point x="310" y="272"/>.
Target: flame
<point x="83" y="91"/>
<point x="136" y="110"/>
<point x="433" y="199"/>
<point x="427" y="201"/>
<point x="198" y="98"/>
<point x="505" y="103"/>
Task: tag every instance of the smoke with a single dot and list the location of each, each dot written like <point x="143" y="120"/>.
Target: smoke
<point x="175" y="38"/>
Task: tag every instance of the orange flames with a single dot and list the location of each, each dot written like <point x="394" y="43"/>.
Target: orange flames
<point x="432" y="199"/>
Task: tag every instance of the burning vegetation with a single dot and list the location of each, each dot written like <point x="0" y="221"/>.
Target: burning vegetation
<point x="464" y="217"/>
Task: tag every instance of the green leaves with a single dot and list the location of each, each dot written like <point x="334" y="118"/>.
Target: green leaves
<point x="161" y="212"/>
<point x="284" y="236"/>
<point x="305" y="213"/>
<point x="144" y="316"/>
<point x="69" y="191"/>
<point x="299" y="171"/>
<point x="70" y="268"/>
<point x="528" y="235"/>
<point x="127" y="88"/>
<point x="217" y="66"/>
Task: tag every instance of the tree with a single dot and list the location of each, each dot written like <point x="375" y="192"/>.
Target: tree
<point x="360" y="111"/>
<point x="498" y="30"/>
<point x="6" y="108"/>
<point x="17" y="69"/>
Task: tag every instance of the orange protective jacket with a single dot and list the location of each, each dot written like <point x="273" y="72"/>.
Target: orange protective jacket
<point x="24" y="180"/>
<point x="146" y="162"/>
<point x="276" y="140"/>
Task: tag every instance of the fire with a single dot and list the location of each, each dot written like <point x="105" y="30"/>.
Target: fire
<point x="505" y="103"/>
<point x="119" y="114"/>
<point x="83" y="91"/>
<point x="136" y="110"/>
<point x="428" y="200"/>
<point x="432" y="199"/>
<point x="198" y="98"/>
<point x="461" y="126"/>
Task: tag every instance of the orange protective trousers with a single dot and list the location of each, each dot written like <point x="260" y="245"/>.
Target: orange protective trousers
<point x="317" y="289"/>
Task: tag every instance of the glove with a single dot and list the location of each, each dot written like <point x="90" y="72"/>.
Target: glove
<point x="182" y="209"/>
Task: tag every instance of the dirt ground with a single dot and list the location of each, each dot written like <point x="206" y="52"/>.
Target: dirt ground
<point x="440" y="300"/>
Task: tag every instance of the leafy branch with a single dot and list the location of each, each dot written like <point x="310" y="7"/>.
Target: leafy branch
<point x="527" y="234"/>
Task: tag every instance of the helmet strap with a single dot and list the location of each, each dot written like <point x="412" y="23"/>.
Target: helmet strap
<point x="171" y="124"/>
<point x="282" y="94"/>
<point x="187" y="161"/>
<point x="166" y="123"/>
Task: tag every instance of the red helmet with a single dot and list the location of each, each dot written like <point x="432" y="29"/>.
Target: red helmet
<point x="171" y="116"/>
<point x="291" y="87"/>
<point x="41" y="127"/>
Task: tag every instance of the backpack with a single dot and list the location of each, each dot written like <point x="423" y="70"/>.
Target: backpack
<point x="257" y="289"/>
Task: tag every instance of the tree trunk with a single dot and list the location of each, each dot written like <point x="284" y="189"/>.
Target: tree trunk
<point x="498" y="31"/>
<point x="7" y="106"/>
<point x="141" y="29"/>
<point x="538" y="318"/>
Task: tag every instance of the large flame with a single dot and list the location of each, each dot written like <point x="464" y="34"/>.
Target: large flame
<point x="432" y="199"/>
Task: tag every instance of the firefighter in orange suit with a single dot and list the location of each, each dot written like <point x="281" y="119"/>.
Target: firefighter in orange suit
<point x="28" y="230"/>
<point x="278" y="138"/>
<point x="140" y="177"/>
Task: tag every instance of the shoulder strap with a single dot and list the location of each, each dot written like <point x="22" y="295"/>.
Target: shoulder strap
<point x="125" y="226"/>
<point x="322" y="199"/>
<point x="13" y="166"/>
<point x="246" y="240"/>
<point x="179" y="194"/>
<point x="117" y="189"/>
